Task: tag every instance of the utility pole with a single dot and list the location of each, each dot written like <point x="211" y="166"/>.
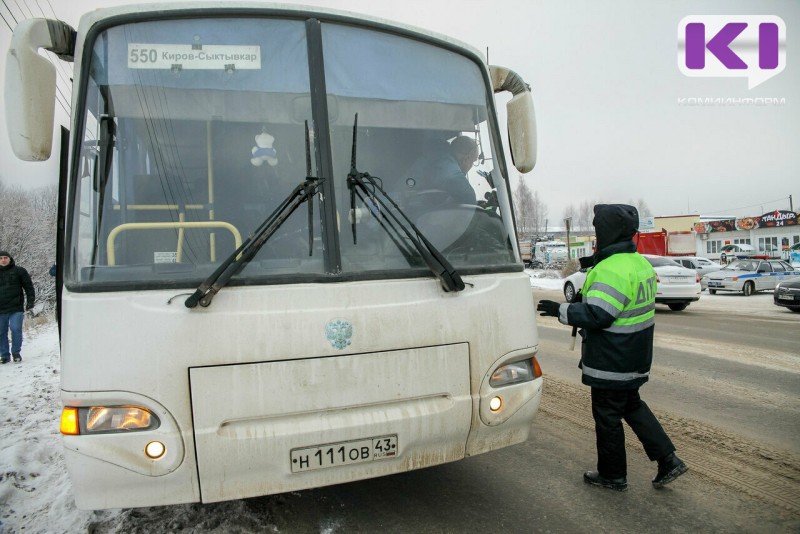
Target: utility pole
<point x="791" y="208"/>
<point x="568" y="220"/>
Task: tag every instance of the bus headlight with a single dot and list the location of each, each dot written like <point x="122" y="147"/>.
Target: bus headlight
<point x="515" y="373"/>
<point x="107" y="419"/>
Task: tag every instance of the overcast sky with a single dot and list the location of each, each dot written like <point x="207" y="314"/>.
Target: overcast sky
<point x="616" y="119"/>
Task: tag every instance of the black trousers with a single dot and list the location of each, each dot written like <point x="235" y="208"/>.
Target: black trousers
<point x="609" y="408"/>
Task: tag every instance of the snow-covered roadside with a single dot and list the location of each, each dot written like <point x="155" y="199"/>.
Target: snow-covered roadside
<point x="35" y="493"/>
<point x="545" y="279"/>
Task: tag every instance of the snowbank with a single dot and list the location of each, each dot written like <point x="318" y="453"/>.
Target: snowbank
<point x="545" y="279"/>
<point x="35" y="493"/>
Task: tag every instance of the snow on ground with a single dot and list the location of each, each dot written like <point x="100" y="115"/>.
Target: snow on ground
<point x="35" y="494"/>
<point x="545" y="279"/>
<point x="35" y="491"/>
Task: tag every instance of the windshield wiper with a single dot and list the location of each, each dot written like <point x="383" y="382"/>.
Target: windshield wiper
<point x="386" y="210"/>
<point x="247" y="250"/>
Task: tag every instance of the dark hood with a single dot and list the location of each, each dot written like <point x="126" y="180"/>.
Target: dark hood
<point x="614" y="225"/>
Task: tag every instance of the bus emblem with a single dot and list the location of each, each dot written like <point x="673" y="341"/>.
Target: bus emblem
<point x="339" y="333"/>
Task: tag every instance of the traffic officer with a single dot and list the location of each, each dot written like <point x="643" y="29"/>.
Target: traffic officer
<point x="616" y="315"/>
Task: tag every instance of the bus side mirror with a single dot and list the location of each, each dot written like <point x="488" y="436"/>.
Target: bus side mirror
<point x="520" y="116"/>
<point x="522" y="131"/>
<point x="30" y="88"/>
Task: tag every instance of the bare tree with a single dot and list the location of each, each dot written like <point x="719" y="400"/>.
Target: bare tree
<point x="28" y="233"/>
<point x="642" y="207"/>
<point x="585" y="216"/>
<point x="530" y="211"/>
<point x="523" y="208"/>
<point x="539" y="214"/>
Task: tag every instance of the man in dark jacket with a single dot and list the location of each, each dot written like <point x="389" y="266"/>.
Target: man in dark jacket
<point x="617" y="316"/>
<point x="16" y="296"/>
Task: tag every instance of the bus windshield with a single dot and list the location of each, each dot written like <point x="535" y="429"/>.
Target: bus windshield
<point x="193" y="131"/>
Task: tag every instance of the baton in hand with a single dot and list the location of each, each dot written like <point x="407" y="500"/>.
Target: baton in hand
<point x="578" y="298"/>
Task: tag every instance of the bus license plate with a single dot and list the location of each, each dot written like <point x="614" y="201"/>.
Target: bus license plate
<point x="344" y="453"/>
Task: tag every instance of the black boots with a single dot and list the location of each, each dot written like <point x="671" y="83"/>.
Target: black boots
<point x="17" y="357"/>
<point x="596" y="479"/>
<point x="670" y="467"/>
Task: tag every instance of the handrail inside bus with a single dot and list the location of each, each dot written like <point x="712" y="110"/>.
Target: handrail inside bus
<point x="165" y="226"/>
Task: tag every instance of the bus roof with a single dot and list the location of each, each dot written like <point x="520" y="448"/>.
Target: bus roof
<point x="100" y="14"/>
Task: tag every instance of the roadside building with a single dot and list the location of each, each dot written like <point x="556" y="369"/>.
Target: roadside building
<point x="770" y="234"/>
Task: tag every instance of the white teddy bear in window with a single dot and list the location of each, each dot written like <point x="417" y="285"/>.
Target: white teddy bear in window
<point x="263" y="151"/>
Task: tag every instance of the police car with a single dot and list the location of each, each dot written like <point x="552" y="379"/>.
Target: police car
<point x="750" y="275"/>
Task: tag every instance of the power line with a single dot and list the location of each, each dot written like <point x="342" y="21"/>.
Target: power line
<point x="65" y="108"/>
<point x="53" y="58"/>
<point x="10" y="13"/>
<point x="21" y="11"/>
<point x="7" y="24"/>
<point x="750" y="206"/>
<point x="59" y="63"/>
<point x="60" y="97"/>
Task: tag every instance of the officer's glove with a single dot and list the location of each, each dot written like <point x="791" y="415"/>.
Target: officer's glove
<point x="549" y="308"/>
<point x="578" y="297"/>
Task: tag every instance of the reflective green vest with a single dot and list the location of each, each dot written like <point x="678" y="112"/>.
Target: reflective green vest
<point x="624" y="285"/>
<point x="619" y="356"/>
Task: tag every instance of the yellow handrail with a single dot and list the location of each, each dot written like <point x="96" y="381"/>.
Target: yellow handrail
<point x="160" y="207"/>
<point x="166" y="226"/>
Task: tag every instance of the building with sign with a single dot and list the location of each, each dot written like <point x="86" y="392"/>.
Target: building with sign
<point x="770" y="234"/>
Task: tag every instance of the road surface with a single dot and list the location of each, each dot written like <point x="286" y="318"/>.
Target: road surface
<point x="725" y="386"/>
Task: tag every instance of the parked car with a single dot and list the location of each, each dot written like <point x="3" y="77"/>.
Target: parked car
<point x="749" y="276"/>
<point x="573" y="283"/>
<point x="787" y="293"/>
<point x="702" y="266"/>
<point x="677" y="286"/>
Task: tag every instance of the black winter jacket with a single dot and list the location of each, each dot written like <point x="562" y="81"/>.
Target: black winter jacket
<point x="15" y="286"/>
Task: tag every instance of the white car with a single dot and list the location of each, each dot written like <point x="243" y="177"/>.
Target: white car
<point x="750" y="275"/>
<point x="677" y="286"/>
<point x="573" y="283"/>
<point x="702" y="266"/>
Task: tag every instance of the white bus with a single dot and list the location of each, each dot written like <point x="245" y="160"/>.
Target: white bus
<point x="269" y="281"/>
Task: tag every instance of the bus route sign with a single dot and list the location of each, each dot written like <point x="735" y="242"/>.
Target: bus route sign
<point x="193" y="57"/>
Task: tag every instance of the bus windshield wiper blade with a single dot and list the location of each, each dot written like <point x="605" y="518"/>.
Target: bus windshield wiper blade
<point x="247" y="250"/>
<point x="240" y="257"/>
<point x="363" y="184"/>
